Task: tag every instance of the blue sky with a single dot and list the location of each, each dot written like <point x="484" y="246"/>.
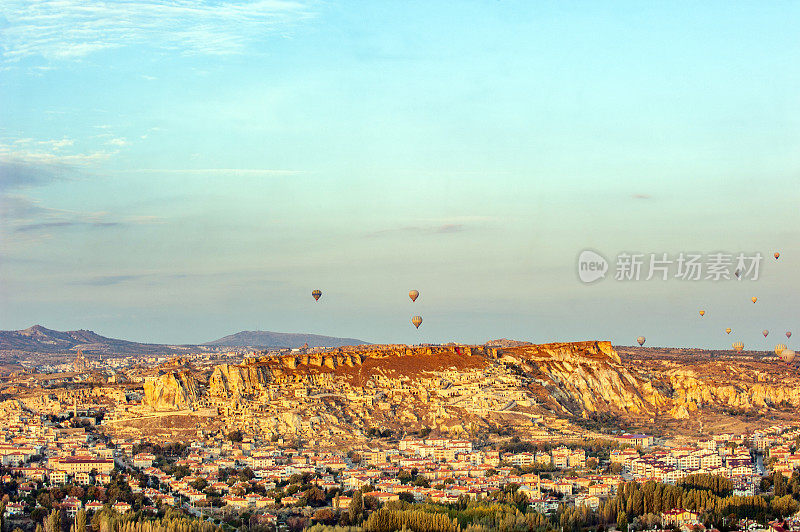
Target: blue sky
<point x="178" y="171"/>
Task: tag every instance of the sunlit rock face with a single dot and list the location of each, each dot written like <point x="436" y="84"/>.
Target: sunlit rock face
<point x="584" y="377"/>
<point x="228" y="380"/>
<point x="171" y="391"/>
<point x="566" y="378"/>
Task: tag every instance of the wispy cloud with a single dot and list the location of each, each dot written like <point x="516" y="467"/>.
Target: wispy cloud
<point x="70" y="29"/>
<point x="27" y="162"/>
<point x="48" y="152"/>
<point x="26" y="228"/>
<point x="237" y="171"/>
<point x="108" y="280"/>
<point x="156" y="277"/>
<point x="24" y="216"/>
<point x="443" y="229"/>
<point x="641" y="196"/>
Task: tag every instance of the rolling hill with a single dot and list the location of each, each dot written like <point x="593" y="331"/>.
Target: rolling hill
<point x="39" y="339"/>
<point x="276" y="339"/>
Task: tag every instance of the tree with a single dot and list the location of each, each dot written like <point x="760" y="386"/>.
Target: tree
<point x="779" y="487"/>
<point x="324" y="515"/>
<point x="785" y="506"/>
<point x="315" y="497"/>
<point x="406" y="496"/>
<point x="622" y="521"/>
<point x="235" y="436"/>
<point x="356" y="507"/>
<point x="53" y="522"/>
<point x="80" y="522"/>
<point x="200" y="484"/>
<point x="371" y="503"/>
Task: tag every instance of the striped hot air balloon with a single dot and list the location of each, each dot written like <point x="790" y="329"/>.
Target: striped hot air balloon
<point x="728" y="330"/>
<point x="780" y="348"/>
<point x="414" y="294"/>
<point x="765" y="333"/>
<point x="788" y="356"/>
<point x="641" y="340"/>
<point x="702" y="312"/>
<point x="754" y="299"/>
<point x="316" y="294"/>
<point x="788" y="334"/>
<point x="737" y="346"/>
<point x="417" y="321"/>
<point x="776" y="255"/>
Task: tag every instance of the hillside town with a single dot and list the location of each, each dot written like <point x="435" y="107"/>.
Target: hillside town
<point x="63" y="462"/>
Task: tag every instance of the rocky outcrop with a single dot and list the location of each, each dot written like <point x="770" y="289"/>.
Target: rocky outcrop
<point x="228" y="380"/>
<point x="692" y="391"/>
<point x="584" y="377"/>
<point x="171" y="391"/>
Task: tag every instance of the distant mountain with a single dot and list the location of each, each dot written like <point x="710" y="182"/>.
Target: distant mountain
<point x="505" y="342"/>
<point x="276" y="339"/>
<point x="40" y="339"/>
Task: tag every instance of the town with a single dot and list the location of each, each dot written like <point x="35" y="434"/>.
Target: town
<point x="61" y="463"/>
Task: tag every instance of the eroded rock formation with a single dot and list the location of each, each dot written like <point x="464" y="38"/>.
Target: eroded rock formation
<point x="171" y="391"/>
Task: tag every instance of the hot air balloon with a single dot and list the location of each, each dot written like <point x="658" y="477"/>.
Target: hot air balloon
<point x="788" y="334"/>
<point x="765" y="333"/>
<point x="780" y="348"/>
<point x="702" y="312"/>
<point x="754" y="299"/>
<point x="737" y="346"/>
<point x="776" y="255"/>
<point x="788" y="356"/>
<point x="316" y="294"/>
<point x="641" y="340"/>
<point x="417" y="321"/>
<point x="414" y="294"/>
<point x="728" y="330"/>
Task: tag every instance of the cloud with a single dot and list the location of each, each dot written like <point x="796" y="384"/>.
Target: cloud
<point x="72" y="29"/>
<point x="19" y="208"/>
<point x="443" y="229"/>
<point x="64" y="224"/>
<point x="237" y="171"/>
<point x="108" y="280"/>
<point x="118" y="142"/>
<point x="17" y="174"/>
<point x="27" y="163"/>
<point x="450" y="228"/>
<point x="641" y="196"/>
<point x="57" y="144"/>
<point x="24" y="216"/>
<point x="48" y="152"/>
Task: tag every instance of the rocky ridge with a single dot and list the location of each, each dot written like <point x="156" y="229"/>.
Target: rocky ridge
<point x="572" y="379"/>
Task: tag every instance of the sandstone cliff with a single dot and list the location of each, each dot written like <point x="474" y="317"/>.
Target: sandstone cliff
<point x="584" y="377"/>
<point x="171" y="391"/>
<point x="230" y="380"/>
